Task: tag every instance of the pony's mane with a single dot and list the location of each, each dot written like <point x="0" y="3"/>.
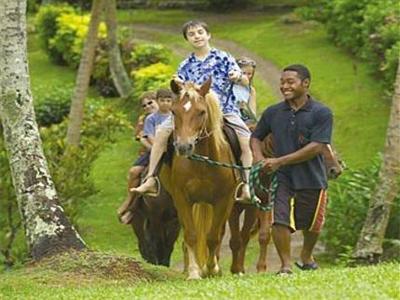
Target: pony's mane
<point x="215" y="118"/>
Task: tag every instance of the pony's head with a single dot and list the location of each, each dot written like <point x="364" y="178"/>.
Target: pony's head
<point x="197" y="116"/>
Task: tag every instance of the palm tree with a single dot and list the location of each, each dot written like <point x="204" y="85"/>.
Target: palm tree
<point x="118" y="73"/>
<point x="369" y="245"/>
<point x="83" y="77"/>
<point x="47" y="229"/>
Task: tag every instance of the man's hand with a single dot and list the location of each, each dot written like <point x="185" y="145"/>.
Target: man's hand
<point x="272" y="164"/>
<point x="177" y="80"/>
<point x="235" y="76"/>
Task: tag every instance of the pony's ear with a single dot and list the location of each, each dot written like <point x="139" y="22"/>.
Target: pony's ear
<point x="175" y="87"/>
<point x="205" y="88"/>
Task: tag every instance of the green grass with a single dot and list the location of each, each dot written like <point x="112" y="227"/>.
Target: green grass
<point x="43" y="73"/>
<point x="377" y="282"/>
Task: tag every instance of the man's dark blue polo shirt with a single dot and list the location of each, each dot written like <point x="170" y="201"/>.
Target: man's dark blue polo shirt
<point x="293" y="130"/>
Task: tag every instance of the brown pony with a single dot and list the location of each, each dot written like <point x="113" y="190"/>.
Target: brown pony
<point x="256" y="219"/>
<point x="203" y="194"/>
<point x="156" y="226"/>
<point x="154" y="221"/>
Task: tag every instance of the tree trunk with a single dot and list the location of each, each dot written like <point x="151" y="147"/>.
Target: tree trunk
<point x="47" y="229"/>
<point x="369" y="245"/>
<point x="118" y="73"/>
<point x="83" y="76"/>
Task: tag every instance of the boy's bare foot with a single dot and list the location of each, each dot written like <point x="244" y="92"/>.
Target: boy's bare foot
<point x="149" y="187"/>
<point x="126" y="217"/>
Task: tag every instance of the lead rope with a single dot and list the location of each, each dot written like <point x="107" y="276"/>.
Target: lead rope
<point x="254" y="179"/>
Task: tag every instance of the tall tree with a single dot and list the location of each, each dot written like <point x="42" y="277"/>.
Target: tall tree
<point x="120" y="77"/>
<point x="369" y="245"/>
<point x="83" y="76"/>
<point x="47" y="229"/>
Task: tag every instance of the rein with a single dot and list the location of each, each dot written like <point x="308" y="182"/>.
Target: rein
<point x="254" y="179"/>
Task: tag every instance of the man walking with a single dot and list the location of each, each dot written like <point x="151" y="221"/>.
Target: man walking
<point x="300" y="128"/>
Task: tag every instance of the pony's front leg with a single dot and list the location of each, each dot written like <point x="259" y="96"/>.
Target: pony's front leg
<point x="214" y="237"/>
<point x="264" y="237"/>
<point x="235" y="241"/>
<point x="190" y="239"/>
<point x="249" y="221"/>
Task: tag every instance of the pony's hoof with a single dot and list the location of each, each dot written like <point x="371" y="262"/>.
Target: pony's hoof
<point x="194" y="276"/>
<point x="215" y="271"/>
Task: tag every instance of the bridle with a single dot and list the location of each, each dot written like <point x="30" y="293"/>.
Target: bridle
<point x="202" y="134"/>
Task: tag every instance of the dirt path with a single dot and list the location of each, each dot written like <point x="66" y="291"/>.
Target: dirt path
<point x="267" y="72"/>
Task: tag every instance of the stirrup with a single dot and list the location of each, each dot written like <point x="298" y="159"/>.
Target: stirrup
<point x="237" y="198"/>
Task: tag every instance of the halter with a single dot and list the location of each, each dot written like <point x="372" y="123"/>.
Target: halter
<point x="203" y="133"/>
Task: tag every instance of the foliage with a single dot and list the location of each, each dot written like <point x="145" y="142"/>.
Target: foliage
<point x="64" y="44"/>
<point x="32" y="6"/>
<point x="347" y="209"/>
<point x="70" y="171"/>
<point x="145" y="55"/>
<point x="70" y="37"/>
<point x="53" y="106"/>
<point x="369" y="29"/>
<point x="47" y="26"/>
<point x="10" y="224"/>
<point x="221" y="5"/>
<point x="152" y="77"/>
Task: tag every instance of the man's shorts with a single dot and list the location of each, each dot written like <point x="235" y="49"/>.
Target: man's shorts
<point x="143" y="160"/>
<point x="300" y="209"/>
<point x="238" y="124"/>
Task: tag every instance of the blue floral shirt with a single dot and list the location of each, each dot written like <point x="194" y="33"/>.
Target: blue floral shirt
<point x="217" y="64"/>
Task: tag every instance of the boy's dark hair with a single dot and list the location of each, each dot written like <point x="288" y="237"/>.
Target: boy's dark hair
<point x="147" y="95"/>
<point x="164" y="93"/>
<point x="193" y="23"/>
<point x="303" y="71"/>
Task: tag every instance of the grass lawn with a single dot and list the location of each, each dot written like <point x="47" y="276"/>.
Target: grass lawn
<point x="377" y="282"/>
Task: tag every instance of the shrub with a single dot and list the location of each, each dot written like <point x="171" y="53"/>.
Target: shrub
<point x="71" y="171"/>
<point x="151" y="77"/>
<point x="54" y="106"/>
<point x="348" y="205"/>
<point x="145" y="55"/>
<point x="70" y="37"/>
<point x="47" y="26"/>
<point x="369" y="29"/>
<point x="11" y="248"/>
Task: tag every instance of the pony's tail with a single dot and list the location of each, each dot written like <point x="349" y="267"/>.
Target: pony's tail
<point x="202" y="217"/>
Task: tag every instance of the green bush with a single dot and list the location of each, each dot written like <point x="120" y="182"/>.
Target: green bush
<point x="151" y="77"/>
<point x="144" y="55"/>
<point x="54" y="106"/>
<point x="348" y="204"/>
<point x="47" y="26"/>
<point x="70" y="37"/>
<point x="11" y="249"/>
<point x="369" y="29"/>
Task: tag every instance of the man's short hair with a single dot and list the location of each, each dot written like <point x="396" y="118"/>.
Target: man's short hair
<point x="147" y="95"/>
<point x="193" y="23"/>
<point x="303" y="71"/>
<point x="165" y="93"/>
